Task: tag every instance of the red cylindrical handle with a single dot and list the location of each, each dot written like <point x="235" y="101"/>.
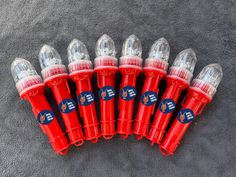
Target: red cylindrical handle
<point x="67" y="107"/>
<point x="146" y="105"/>
<point x="106" y="83"/>
<point x="47" y="120"/>
<point x="165" y="109"/>
<point x="87" y="107"/>
<point x="127" y="96"/>
<point x="193" y="104"/>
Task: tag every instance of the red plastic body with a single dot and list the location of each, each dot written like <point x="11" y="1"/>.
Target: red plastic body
<point x="61" y="91"/>
<point x="53" y="131"/>
<point x="174" y="88"/>
<point x="151" y="82"/>
<point x="125" y="119"/>
<point x="106" y="77"/>
<point x="195" y="100"/>
<point x="88" y="112"/>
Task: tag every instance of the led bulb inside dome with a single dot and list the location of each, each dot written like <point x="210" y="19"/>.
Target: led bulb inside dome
<point x="184" y="65"/>
<point x="132" y="46"/>
<point x="105" y="46"/>
<point x="211" y="74"/>
<point x="24" y="75"/>
<point x="160" y="49"/>
<point x="48" y="56"/>
<point x="77" y="51"/>
<point x="51" y="63"/>
<point x="78" y="57"/>
<point x="186" y="60"/>
<point x="209" y="79"/>
<point x="21" y="68"/>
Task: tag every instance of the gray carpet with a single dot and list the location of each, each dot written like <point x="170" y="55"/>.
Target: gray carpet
<point x="209" y="27"/>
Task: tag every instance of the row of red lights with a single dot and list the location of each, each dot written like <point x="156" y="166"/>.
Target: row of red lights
<point x="200" y="92"/>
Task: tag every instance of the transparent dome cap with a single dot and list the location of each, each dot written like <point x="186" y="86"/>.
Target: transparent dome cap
<point x="132" y="46"/>
<point x="77" y="51"/>
<point x="21" y="68"/>
<point x="160" y="49"/>
<point x="186" y="60"/>
<point x="48" y="56"/>
<point x="105" y="46"/>
<point x="211" y="74"/>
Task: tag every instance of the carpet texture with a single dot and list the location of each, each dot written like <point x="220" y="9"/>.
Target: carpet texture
<point x="208" y="27"/>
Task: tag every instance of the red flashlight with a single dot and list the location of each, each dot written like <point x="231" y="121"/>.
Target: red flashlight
<point x="130" y="67"/>
<point x="178" y="79"/>
<point x="56" y="78"/>
<point x="202" y="89"/>
<point x="30" y="87"/>
<point x="80" y="68"/>
<point x="154" y="70"/>
<point x="106" y="69"/>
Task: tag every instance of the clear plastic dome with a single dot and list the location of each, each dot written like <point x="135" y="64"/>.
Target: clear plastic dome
<point x="209" y="79"/>
<point x="211" y="74"/>
<point x="51" y="63"/>
<point x="132" y="46"/>
<point x="78" y="57"/>
<point x="21" y="68"/>
<point x="160" y="49"/>
<point x="48" y="56"/>
<point x="24" y="75"/>
<point x="77" y="51"/>
<point x="184" y="65"/>
<point x="105" y="46"/>
<point x="186" y="60"/>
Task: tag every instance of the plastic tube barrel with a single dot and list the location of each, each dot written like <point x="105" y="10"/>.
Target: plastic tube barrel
<point x="154" y="70"/>
<point x="178" y="79"/>
<point x="56" y="78"/>
<point x="200" y="93"/>
<point x="105" y="67"/>
<point x="31" y="88"/>
<point x="80" y="69"/>
<point x="130" y="67"/>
